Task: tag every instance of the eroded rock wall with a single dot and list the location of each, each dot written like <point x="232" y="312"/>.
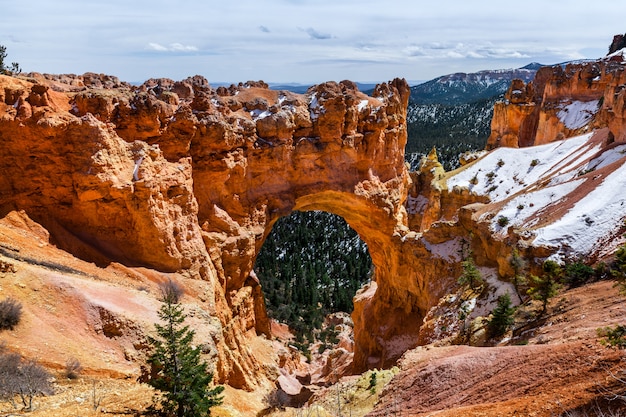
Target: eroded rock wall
<point x="562" y="101"/>
<point x="178" y="176"/>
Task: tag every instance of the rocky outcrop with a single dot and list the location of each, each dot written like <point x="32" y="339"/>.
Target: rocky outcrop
<point x="619" y="42"/>
<point x="561" y="102"/>
<point x="178" y="176"/>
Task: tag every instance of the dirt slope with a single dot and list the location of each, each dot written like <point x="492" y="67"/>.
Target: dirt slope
<point x="562" y="366"/>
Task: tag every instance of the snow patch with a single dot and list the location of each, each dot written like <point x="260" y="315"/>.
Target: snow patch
<point x="578" y="113"/>
<point x="505" y="172"/>
<point x="260" y="114"/>
<point x="416" y="204"/>
<point x="315" y="107"/>
<point x="449" y="250"/>
<point x="524" y="206"/>
<point x="595" y="216"/>
<point x="528" y="182"/>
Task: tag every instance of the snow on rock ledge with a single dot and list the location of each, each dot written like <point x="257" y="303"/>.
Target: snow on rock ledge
<point x="568" y="195"/>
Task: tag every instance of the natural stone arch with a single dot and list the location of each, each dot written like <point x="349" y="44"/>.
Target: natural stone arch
<point x="372" y="223"/>
<point x="351" y="164"/>
<point x="181" y="177"/>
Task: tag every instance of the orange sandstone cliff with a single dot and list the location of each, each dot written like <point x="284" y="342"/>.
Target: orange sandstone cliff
<point x="178" y="177"/>
<point x="561" y="102"/>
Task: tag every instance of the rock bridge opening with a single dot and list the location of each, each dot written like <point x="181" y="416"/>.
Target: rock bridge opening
<point x="311" y="265"/>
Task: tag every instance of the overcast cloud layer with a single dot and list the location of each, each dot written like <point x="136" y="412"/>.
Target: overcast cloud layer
<point x="305" y="41"/>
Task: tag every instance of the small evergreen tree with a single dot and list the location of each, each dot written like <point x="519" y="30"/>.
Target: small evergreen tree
<point x="613" y="336"/>
<point x="373" y="382"/>
<point x="181" y="375"/>
<point x="519" y="265"/>
<point x="502" y="317"/>
<point x="471" y="275"/>
<point x="578" y="273"/>
<point x="545" y="287"/>
<point x="4" y="69"/>
<point x="618" y="268"/>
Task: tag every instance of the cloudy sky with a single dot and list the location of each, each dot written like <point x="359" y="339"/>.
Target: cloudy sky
<point x="304" y="41"/>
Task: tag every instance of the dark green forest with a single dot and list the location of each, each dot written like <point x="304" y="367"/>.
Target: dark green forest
<point x="311" y="264"/>
<point x="452" y="130"/>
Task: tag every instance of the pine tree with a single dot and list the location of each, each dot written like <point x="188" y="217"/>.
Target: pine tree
<point x="618" y="269"/>
<point x="4" y="69"/>
<point x="471" y="275"/>
<point x="181" y="375"/>
<point x="502" y="316"/>
<point x="545" y="287"/>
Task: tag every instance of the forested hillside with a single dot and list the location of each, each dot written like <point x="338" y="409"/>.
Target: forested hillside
<point x="453" y="112"/>
<point x="453" y="130"/>
<point x="311" y="265"/>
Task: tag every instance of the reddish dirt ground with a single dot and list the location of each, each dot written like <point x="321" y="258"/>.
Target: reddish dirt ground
<point x="563" y="366"/>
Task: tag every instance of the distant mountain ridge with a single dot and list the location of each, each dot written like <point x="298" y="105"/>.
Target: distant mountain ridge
<point x="460" y="87"/>
<point x="302" y="88"/>
<point x="453" y="112"/>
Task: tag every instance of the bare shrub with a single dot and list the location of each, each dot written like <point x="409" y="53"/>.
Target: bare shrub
<point x="97" y="394"/>
<point x="10" y="313"/>
<point x="26" y="379"/>
<point x="73" y="368"/>
<point x="9" y="364"/>
<point x="171" y="291"/>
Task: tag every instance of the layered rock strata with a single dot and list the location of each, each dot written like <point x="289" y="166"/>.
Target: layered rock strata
<point x="182" y="177"/>
<point x="179" y="176"/>
<point x="561" y="102"/>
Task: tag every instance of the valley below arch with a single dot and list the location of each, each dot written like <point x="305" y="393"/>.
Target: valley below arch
<point x="375" y="228"/>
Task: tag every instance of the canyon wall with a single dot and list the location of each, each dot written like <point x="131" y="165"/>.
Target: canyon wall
<point x="561" y="102"/>
<point x="183" y="177"/>
<point x="179" y="176"/>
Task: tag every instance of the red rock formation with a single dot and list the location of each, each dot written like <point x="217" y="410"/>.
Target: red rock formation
<point x="560" y="103"/>
<point x="178" y="176"/>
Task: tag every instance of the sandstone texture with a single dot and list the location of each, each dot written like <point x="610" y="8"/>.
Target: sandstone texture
<point x="178" y="177"/>
<point x="561" y="102"/>
<point x="109" y="189"/>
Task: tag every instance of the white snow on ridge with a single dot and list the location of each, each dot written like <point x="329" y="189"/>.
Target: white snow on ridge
<point x="529" y="181"/>
<point x="578" y="113"/>
<point x="506" y="171"/>
<point x="525" y="205"/>
<point x="584" y="227"/>
<point x="607" y="158"/>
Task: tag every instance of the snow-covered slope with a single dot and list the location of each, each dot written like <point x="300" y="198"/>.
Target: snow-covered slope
<point x="568" y="195"/>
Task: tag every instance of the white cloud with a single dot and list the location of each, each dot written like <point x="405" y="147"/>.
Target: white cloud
<point x="173" y="47"/>
<point x="157" y="47"/>
<point x="300" y="40"/>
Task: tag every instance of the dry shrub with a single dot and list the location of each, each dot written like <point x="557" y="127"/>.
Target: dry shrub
<point x="10" y="313"/>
